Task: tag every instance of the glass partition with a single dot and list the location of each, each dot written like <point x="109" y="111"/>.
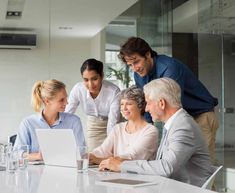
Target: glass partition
<point x="201" y="34"/>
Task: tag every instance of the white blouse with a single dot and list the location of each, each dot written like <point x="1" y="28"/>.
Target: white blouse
<point x="105" y="106"/>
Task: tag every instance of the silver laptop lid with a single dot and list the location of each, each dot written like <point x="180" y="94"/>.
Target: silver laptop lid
<point x="58" y="146"/>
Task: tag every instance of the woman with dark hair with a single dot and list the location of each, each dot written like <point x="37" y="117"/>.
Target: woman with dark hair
<point x="133" y="139"/>
<point x="99" y="100"/>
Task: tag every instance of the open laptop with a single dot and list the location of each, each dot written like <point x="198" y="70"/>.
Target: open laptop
<point x="58" y="146"/>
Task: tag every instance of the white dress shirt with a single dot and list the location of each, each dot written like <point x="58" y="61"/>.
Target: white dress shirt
<point x="105" y="106"/>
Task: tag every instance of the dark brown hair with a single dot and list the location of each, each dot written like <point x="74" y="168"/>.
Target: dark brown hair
<point x="135" y="45"/>
<point x="92" y="64"/>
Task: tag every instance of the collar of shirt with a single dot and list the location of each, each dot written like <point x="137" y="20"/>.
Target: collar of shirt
<point x="157" y="71"/>
<point x="58" y="121"/>
<point x="88" y="95"/>
<point x="170" y="121"/>
<point x="160" y="66"/>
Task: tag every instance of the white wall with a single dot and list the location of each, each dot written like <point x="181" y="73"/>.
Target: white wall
<point x="19" y="69"/>
<point x="98" y="46"/>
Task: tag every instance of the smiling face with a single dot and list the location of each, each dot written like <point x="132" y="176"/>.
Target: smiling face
<point x="139" y="64"/>
<point x="129" y="109"/>
<point x="155" y="108"/>
<point x="57" y="103"/>
<point x="93" y="81"/>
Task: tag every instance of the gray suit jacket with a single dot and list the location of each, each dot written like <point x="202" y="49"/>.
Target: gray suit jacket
<point x="184" y="155"/>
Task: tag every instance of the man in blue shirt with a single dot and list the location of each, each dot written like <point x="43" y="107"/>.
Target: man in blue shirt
<point x="196" y="99"/>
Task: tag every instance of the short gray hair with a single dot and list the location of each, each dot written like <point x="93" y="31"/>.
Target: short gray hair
<point x="136" y="94"/>
<point x="165" y="88"/>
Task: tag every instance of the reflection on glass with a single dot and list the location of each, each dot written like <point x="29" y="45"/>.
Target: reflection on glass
<point x="58" y="179"/>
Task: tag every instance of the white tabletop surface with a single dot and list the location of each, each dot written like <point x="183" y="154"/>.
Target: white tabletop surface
<point x="51" y="179"/>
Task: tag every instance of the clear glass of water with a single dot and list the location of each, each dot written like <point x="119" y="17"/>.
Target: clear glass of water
<point x="4" y="148"/>
<point x="23" y="151"/>
<point x="11" y="161"/>
<point x="82" y="157"/>
<point x="2" y="155"/>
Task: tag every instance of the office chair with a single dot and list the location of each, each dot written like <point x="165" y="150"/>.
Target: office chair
<point x="209" y="182"/>
<point x="11" y="139"/>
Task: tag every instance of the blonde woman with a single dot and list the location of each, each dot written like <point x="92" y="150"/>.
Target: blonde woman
<point x="132" y="139"/>
<point x="49" y="99"/>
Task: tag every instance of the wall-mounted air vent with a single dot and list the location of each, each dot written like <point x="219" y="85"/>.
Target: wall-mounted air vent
<point x="122" y="23"/>
<point x="17" y="39"/>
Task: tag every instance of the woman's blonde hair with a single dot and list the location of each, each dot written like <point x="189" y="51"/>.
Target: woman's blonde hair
<point x="45" y="89"/>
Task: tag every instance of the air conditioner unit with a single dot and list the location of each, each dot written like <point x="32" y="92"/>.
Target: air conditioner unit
<point x="13" y="39"/>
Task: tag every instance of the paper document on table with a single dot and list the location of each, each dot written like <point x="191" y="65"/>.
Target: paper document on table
<point x="124" y="182"/>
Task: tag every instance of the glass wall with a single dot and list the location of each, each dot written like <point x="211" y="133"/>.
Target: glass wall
<point x="201" y="34"/>
<point x="115" y="71"/>
<point x="216" y="21"/>
<point x="154" y="24"/>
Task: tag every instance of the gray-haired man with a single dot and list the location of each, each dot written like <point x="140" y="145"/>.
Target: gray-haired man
<point x="183" y="154"/>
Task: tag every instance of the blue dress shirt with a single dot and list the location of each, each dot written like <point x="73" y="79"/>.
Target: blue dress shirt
<point x="27" y="136"/>
<point x="195" y="98"/>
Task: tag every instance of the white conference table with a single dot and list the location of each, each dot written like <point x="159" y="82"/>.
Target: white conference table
<point x="51" y="179"/>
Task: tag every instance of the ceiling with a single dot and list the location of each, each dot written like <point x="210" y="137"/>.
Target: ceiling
<point x="73" y="18"/>
<point x="85" y="18"/>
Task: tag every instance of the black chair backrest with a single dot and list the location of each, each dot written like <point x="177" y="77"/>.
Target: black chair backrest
<point x="12" y="139"/>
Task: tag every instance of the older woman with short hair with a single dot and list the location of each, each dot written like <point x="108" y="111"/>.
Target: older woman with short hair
<point x="132" y="139"/>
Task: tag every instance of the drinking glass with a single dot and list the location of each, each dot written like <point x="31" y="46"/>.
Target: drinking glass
<point x="82" y="157"/>
<point x="2" y="155"/>
<point x="11" y="161"/>
<point x="4" y="148"/>
<point x="23" y="151"/>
